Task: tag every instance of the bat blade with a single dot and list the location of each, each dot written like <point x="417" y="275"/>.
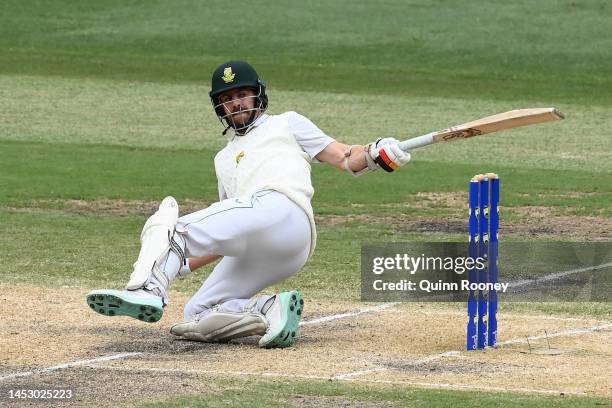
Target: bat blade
<point x="490" y="124"/>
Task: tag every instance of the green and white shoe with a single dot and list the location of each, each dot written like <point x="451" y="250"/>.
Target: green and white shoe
<point x="139" y="304"/>
<point x="283" y="318"/>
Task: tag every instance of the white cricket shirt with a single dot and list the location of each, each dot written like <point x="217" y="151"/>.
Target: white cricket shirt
<point x="274" y="155"/>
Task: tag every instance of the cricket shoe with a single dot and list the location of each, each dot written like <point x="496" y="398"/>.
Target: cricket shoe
<point x="283" y="318"/>
<point x="139" y="304"/>
<point x="216" y="326"/>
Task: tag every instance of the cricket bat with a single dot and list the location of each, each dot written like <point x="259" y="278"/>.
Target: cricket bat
<point x="490" y="124"/>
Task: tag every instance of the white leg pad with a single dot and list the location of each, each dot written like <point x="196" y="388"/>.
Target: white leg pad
<point x="156" y="241"/>
<point x="218" y="326"/>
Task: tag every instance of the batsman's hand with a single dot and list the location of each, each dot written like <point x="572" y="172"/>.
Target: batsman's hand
<point x="388" y="154"/>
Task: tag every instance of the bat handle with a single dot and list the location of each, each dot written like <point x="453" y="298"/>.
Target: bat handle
<point x="416" y="142"/>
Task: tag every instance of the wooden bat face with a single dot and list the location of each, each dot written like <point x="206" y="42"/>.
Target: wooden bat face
<point x="502" y="121"/>
<point x="459" y="134"/>
<point x="489" y="124"/>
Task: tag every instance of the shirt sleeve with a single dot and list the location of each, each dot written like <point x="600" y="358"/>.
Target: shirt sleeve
<point x="308" y="135"/>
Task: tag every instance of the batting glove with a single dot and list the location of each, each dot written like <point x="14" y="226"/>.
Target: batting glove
<point x="387" y="154"/>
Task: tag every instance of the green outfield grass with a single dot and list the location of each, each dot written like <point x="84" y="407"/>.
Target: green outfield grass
<point x="555" y="51"/>
<point x="108" y="101"/>
<point x="254" y="393"/>
<point x="178" y="116"/>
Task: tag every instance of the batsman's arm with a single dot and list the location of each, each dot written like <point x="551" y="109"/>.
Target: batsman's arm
<point x="335" y="154"/>
<point x="357" y="160"/>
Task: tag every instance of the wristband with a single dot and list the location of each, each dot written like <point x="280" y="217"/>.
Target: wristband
<point x="371" y="166"/>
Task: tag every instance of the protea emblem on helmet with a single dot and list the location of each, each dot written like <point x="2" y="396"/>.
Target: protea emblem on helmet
<point x="233" y="75"/>
<point x="228" y="75"/>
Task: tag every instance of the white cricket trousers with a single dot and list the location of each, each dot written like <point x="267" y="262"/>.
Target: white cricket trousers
<point x="264" y="238"/>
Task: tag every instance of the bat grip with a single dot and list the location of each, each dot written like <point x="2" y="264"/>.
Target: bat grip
<point x="416" y="142"/>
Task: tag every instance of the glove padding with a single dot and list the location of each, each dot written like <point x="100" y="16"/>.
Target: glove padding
<point x="388" y="154"/>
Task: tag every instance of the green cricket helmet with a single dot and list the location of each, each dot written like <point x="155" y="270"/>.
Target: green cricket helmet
<point x="235" y="75"/>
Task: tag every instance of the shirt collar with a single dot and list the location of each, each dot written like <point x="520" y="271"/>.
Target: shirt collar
<point x="258" y="122"/>
<point x="261" y="119"/>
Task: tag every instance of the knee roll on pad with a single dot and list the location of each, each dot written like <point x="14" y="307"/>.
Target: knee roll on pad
<point x="222" y="326"/>
<point x="157" y="238"/>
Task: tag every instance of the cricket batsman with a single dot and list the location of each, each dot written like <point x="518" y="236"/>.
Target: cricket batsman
<point x="262" y="228"/>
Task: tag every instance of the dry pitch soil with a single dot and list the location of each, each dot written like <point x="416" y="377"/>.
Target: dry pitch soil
<point x="403" y="344"/>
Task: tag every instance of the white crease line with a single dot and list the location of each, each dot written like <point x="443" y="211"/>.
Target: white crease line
<point x="471" y="387"/>
<point x="68" y="365"/>
<point x="557" y="275"/>
<point x="348" y="314"/>
<point x="358" y="373"/>
<point x="542" y="317"/>
<point x="206" y="372"/>
<point x="515" y="316"/>
<point x="435" y="357"/>
<point x="344" y="377"/>
<point x="119" y="356"/>
<point x="456" y="353"/>
<point x="320" y="377"/>
<point x="574" y="332"/>
<point x="511" y="315"/>
<point x="414" y="363"/>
